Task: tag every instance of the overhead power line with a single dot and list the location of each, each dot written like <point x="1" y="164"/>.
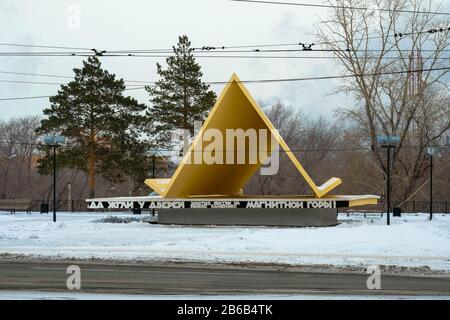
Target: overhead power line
<point x="203" y="55"/>
<point x="55" y="83"/>
<point x="36" y="74"/>
<point x="341" y="76"/>
<point x="315" y="5"/>
<point x="38" y="97"/>
<point x="248" y="56"/>
<point x="36" y="143"/>
<point x="397" y="35"/>
<point x="30" y="82"/>
<point x="253" y="55"/>
<point x="25" y="98"/>
<point x="282" y="80"/>
<point x="220" y="49"/>
<point x="40" y="46"/>
<point x="85" y="52"/>
<point x="320" y="78"/>
<point x="290" y="50"/>
<point x="54" y="76"/>
<point x="45" y="97"/>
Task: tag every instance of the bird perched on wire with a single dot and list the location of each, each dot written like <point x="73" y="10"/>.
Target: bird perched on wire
<point x="98" y="53"/>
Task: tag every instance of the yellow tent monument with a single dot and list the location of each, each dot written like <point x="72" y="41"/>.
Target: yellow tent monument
<point x="209" y="180"/>
<point x="234" y="109"/>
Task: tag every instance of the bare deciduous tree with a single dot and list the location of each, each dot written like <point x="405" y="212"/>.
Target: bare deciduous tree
<point x="303" y="135"/>
<point x="17" y="148"/>
<point x="412" y="101"/>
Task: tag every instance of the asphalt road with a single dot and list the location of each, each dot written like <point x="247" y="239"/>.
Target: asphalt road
<point x="179" y="279"/>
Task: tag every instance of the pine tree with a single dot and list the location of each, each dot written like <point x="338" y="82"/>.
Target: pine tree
<point x="103" y="128"/>
<point x="180" y="97"/>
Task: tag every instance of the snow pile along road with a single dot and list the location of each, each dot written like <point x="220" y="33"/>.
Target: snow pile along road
<point x="68" y="295"/>
<point x="411" y="241"/>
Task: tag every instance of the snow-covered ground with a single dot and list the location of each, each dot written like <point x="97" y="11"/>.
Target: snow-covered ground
<point x="411" y="240"/>
<point x="40" y="295"/>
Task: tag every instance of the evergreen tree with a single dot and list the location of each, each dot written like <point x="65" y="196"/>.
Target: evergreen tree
<point x="103" y="128"/>
<point x="180" y="97"/>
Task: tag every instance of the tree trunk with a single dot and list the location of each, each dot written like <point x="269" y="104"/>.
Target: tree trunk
<point x="91" y="173"/>
<point x="91" y="178"/>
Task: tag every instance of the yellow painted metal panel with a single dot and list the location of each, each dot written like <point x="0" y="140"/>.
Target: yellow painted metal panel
<point x="318" y="191"/>
<point x="362" y="202"/>
<point x="158" y="185"/>
<point x="234" y="109"/>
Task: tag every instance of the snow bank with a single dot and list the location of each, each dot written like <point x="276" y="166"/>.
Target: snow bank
<point x="40" y="295"/>
<point x="411" y="241"/>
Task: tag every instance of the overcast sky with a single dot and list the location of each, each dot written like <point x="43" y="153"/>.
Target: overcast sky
<point x="144" y="24"/>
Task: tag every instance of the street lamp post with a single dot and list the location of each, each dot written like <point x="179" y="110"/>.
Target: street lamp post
<point x="153" y="153"/>
<point x="54" y="182"/>
<point x="388" y="142"/>
<point x="432" y="151"/>
<point x="54" y="141"/>
<point x="431" y="187"/>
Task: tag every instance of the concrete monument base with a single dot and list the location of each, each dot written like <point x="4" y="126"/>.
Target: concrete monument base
<point x="250" y="217"/>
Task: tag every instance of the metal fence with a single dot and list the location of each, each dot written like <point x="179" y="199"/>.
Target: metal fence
<point x="407" y="207"/>
<point x="61" y="205"/>
<point x="424" y="206"/>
